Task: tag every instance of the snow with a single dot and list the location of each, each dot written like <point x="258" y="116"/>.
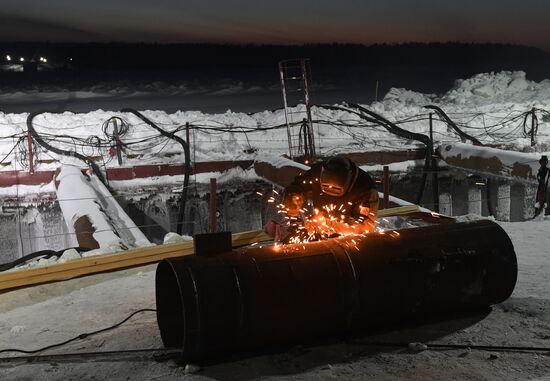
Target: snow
<point x="39" y="316"/>
<point x="508" y="159"/>
<point x="69" y="255"/>
<point x="79" y="196"/>
<point x="175" y="238"/>
<point x="503" y="87"/>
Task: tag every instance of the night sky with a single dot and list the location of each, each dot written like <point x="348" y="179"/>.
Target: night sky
<point x="279" y="22"/>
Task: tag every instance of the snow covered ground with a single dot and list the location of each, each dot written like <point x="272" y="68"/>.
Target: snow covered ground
<point x="39" y="316"/>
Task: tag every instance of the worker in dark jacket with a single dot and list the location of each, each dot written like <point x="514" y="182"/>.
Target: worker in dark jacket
<point x="344" y="198"/>
<point x="543" y="176"/>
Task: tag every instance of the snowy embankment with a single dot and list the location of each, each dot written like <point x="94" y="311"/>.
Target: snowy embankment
<point x="487" y="106"/>
<point x="37" y="317"/>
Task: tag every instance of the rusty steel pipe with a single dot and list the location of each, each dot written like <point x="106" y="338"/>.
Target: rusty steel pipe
<point x="261" y="297"/>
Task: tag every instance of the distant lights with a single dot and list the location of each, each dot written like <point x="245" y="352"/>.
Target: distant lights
<point x="8" y="57"/>
<point x="21" y="59"/>
<point x="43" y="59"/>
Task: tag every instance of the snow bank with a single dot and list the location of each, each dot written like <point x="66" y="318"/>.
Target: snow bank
<point x="504" y="87"/>
<point x="80" y="197"/>
<point x="484" y="106"/>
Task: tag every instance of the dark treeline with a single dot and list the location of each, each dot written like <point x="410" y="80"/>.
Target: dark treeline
<point x="180" y="56"/>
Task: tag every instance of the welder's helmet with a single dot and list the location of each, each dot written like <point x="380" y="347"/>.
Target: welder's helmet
<point x="338" y="174"/>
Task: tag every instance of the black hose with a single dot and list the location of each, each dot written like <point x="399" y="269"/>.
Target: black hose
<point x="373" y="117"/>
<point x="464" y="136"/>
<point x="173" y="136"/>
<point x="38" y="254"/>
<point x="59" y="151"/>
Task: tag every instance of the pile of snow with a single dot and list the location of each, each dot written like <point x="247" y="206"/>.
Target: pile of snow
<point x="503" y="87"/>
<point x="176" y="238"/>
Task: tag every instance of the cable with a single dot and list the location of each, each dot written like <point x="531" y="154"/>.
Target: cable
<point x="158" y="354"/>
<point x="495" y="348"/>
<point x="79" y="337"/>
<point x="373" y="117"/>
<point x="464" y="136"/>
<point x="173" y="136"/>
<point x="58" y="151"/>
<point x="13" y="148"/>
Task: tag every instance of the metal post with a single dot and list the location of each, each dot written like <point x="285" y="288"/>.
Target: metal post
<point x="431" y="131"/>
<point x="313" y="154"/>
<point x="117" y="141"/>
<point x="285" y="103"/>
<point x="188" y="141"/>
<point x="31" y="154"/>
<point x="435" y="178"/>
<point x="187" y="133"/>
<point x="386" y="184"/>
<point x="213" y="207"/>
<point x="533" y="117"/>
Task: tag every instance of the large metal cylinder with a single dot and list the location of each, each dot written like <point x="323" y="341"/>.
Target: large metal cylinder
<point x="261" y="297"/>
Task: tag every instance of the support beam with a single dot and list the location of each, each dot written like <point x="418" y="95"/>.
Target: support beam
<point x="474" y="199"/>
<point x="529" y="198"/>
<point x="446" y="204"/>
<point x="503" y="202"/>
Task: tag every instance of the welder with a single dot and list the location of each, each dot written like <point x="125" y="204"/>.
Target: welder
<point x="343" y="198"/>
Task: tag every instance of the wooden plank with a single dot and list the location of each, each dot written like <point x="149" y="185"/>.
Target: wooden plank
<point x="99" y="267"/>
<point x="398" y="210"/>
<point x="111" y="262"/>
<point x="136" y="257"/>
<point x="91" y="261"/>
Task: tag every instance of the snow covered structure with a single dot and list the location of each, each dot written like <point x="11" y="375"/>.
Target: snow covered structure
<point x="94" y="216"/>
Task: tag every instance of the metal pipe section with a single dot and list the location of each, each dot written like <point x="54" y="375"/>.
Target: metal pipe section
<point x="264" y="297"/>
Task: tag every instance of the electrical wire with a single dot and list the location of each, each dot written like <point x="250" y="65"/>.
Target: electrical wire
<point x="495" y="348"/>
<point x="82" y="336"/>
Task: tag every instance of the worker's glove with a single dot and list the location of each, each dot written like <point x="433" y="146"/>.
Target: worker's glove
<point x="293" y="203"/>
<point x="276" y="230"/>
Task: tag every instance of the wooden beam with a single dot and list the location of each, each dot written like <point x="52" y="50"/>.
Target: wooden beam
<point x="133" y="258"/>
<point x="111" y="262"/>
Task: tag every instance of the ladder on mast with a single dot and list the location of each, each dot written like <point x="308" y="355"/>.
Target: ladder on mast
<point x="294" y="75"/>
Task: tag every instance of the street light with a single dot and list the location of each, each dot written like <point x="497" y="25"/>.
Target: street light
<point x="21" y="59"/>
<point x="8" y="58"/>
